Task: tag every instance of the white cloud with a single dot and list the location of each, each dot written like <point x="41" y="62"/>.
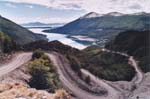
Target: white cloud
<point x="124" y="6"/>
<point x="29" y="6"/>
<point x="10" y="5"/>
<point x="100" y="6"/>
<point x="53" y="20"/>
<point x="55" y="4"/>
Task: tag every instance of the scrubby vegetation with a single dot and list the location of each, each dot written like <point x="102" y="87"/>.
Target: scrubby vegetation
<point x="88" y="79"/>
<point x="110" y="66"/>
<point x="105" y="65"/>
<point x="43" y="73"/>
<point x="38" y="54"/>
<point x="135" y="43"/>
<point x="75" y="65"/>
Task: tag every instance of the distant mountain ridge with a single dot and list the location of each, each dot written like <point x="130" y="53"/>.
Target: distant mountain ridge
<point x="41" y="24"/>
<point x="94" y="15"/>
<point x="106" y="25"/>
<point x="18" y="33"/>
<point x="91" y="15"/>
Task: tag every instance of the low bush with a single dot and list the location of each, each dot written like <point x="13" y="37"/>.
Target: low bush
<point x="88" y="79"/>
<point x="37" y="54"/>
<point x="43" y="73"/>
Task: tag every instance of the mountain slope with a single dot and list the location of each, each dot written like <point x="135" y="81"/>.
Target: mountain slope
<point x="19" y="34"/>
<point x="104" y="26"/>
<point x="106" y="65"/>
<point x="135" y="43"/>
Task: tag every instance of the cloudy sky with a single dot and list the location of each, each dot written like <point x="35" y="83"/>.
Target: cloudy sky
<point x="53" y="11"/>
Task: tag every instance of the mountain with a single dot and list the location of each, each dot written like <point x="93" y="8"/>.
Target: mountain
<point x="104" y="26"/>
<point x="34" y="24"/>
<point x="135" y="43"/>
<point x="18" y="33"/>
<point x="115" y="14"/>
<point x="90" y="15"/>
<point x="39" y="24"/>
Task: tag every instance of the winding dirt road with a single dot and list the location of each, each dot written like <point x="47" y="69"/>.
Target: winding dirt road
<point x="16" y="62"/>
<point x="81" y="94"/>
<point x="139" y="74"/>
<point x="78" y="92"/>
<point x="112" y="92"/>
<point x="67" y="82"/>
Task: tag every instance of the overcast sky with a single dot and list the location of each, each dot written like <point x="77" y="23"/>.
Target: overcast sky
<point x="53" y="11"/>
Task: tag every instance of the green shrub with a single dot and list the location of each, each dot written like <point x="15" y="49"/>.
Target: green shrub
<point x="75" y="65"/>
<point x="37" y="54"/>
<point x="105" y="65"/>
<point x="88" y="79"/>
<point x="135" y="43"/>
<point x="43" y="75"/>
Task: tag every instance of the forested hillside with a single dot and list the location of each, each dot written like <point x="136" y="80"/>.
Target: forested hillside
<point x="105" y="65"/>
<point x="136" y="43"/>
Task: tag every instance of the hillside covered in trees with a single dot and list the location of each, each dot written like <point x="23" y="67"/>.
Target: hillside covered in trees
<point x="7" y="44"/>
<point x="135" y="43"/>
<point x="105" y="65"/>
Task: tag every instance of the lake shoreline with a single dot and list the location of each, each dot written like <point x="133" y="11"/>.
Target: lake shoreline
<point x="63" y="38"/>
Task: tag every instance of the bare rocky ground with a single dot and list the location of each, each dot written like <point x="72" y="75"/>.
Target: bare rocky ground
<point x="20" y="75"/>
<point x="22" y="91"/>
<point x="4" y="58"/>
<point x="14" y="86"/>
<point x="140" y="91"/>
<point x="143" y="89"/>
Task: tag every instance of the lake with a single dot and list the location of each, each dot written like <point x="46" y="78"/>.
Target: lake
<point x="63" y="38"/>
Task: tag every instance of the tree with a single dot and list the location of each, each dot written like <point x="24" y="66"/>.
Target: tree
<point x="75" y="65"/>
<point x="37" y="54"/>
<point x="88" y="79"/>
<point x="8" y="46"/>
<point x="39" y="75"/>
<point x="43" y="75"/>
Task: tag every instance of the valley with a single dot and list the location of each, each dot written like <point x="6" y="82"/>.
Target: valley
<point x="98" y="88"/>
<point x="74" y="49"/>
<point x="74" y="79"/>
<point x="103" y="27"/>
